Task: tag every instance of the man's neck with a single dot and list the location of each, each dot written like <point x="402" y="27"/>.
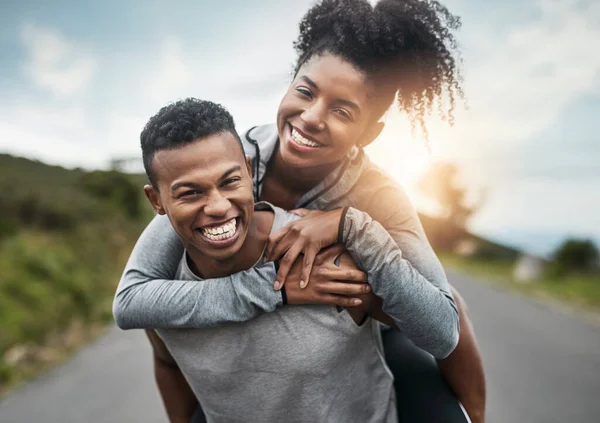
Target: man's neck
<point x="259" y="229"/>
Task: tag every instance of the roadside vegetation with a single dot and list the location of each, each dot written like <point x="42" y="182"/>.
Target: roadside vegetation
<point x="64" y="238"/>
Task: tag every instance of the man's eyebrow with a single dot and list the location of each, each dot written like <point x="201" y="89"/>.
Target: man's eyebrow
<point x="184" y="185"/>
<point x="193" y="185"/>
<point x="235" y="168"/>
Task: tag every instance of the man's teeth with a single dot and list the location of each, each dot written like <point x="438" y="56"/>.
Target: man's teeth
<point x="224" y="231"/>
<point x="303" y="141"/>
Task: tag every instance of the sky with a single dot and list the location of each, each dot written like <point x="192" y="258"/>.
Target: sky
<point x="80" y="79"/>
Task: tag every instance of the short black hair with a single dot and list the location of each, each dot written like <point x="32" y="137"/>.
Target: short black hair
<point x="408" y="42"/>
<point x="181" y="123"/>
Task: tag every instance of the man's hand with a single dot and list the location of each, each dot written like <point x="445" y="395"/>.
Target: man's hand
<point x="330" y="284"/>
<point x="315" y="231"/>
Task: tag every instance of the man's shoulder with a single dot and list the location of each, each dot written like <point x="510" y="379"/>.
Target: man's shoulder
<point x="282" y="217"/>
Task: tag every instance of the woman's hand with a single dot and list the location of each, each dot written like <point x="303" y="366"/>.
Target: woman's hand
<point x="342" y="285"/>
<point x="315" y="231"/>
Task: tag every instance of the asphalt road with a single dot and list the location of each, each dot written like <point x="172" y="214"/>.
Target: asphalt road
<point x="543" y="366"/>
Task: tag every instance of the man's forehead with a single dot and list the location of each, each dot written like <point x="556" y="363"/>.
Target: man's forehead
<point x="196" y="166"/>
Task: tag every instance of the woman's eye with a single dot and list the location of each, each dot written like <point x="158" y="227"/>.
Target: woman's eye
<point x="344" y="114"/>
<point x="304" y="91"/>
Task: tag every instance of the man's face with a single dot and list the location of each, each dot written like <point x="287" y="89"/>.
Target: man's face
<point x="205" y="188"/>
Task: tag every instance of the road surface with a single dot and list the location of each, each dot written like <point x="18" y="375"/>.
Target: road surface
<point x="543" y="366"/>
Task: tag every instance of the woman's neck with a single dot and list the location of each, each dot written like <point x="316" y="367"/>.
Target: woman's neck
<point x="297" y="181"/>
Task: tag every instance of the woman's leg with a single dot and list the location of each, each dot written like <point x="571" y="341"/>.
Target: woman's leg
<point x="198" y="416"/>
<point x="422" y="395"/>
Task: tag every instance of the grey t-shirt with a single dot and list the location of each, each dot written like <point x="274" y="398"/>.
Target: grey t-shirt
<point x="296" y="364"/>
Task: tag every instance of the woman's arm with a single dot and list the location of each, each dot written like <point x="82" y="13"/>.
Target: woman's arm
<point x="463" y="368"/>
<point x="421" y="307"/>
<point x="147" y="297"/>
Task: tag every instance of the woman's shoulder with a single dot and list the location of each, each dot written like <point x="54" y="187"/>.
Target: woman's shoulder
<point x="382" y="197"/>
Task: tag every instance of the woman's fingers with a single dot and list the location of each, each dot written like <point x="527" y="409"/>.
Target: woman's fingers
<point x="300" y="212"/>
<point x="286" y="263"/>
<point x="273" y="242"/>
<point x="307" y="264"/>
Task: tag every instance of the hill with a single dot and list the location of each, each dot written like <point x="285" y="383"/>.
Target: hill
<point x="64" y="238"/>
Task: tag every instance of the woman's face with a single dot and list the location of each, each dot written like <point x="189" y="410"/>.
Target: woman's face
<point x="324" y="112"/>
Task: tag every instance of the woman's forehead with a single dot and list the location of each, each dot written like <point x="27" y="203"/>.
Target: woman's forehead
<point x="335" y="74"/>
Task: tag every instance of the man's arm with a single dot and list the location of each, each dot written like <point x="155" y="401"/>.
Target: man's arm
<point x="463" y="369"/>
<point x="178" y="398"/>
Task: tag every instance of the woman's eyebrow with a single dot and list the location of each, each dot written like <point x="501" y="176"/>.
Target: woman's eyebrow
<point x="309" y="82"/>
<point x="341" y="101"/>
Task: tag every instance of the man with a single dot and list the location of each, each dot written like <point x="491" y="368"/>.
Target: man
<point x="288" y="360"/>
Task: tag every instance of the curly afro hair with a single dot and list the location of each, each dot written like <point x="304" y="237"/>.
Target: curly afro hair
<point x="409" y="43"/>
<point x="181" y="123"/>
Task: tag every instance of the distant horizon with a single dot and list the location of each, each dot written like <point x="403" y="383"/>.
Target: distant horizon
<point x="540" y="243"/>
<point x="80" y="80"/>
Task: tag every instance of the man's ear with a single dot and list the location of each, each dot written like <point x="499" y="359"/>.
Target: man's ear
<point x="154" y="199"/>
<point x="249" y="165"/>
<point x="371" y="134"/>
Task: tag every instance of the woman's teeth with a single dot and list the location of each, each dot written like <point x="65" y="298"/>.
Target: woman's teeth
<point x="224" y="231"/>
<point x="303" y="141"/>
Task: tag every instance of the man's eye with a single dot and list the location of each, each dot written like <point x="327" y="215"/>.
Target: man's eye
<point x="230" y="181"/>
<point x="189" y="193"/>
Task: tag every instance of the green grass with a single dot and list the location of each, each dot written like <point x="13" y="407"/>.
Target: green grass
<point x="64" y="238"/>
<point x="577" y="290"/>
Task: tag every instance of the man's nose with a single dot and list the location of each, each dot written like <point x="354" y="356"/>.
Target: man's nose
<point x="217" y="205"/>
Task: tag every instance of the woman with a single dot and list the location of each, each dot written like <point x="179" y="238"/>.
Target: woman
<point x="353" y="60"/>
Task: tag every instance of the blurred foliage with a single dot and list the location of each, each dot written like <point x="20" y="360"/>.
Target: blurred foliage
<point x="576" y="255"/>
<point x="64" y="238"/>
<point x="577" y="289"/>
<point x="441" y="183"/>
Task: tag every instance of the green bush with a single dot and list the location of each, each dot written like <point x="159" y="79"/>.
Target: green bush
<point x="64" y="238"/>
<point x="576" y="255"/>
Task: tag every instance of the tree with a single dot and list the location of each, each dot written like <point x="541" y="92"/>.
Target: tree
<point x="441" y="183"/>
<point x="116" y="189"/>
<point x="577" y="255"/>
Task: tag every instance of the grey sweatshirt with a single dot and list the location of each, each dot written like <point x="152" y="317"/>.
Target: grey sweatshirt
<point x="234" y="367"/>
<point x="387" y="241"/>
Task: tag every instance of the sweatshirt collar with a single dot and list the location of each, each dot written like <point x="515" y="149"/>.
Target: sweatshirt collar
<point x="261" y="142"/>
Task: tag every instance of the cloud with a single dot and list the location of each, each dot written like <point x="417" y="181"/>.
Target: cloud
<point x="520" y="79"/>
<point x="173" y="73"/>
<point x="56" y="63"/>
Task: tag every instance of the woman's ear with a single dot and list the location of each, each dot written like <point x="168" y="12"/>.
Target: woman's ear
<point x="371" y="134"/>
<point x="154" y="199"/>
